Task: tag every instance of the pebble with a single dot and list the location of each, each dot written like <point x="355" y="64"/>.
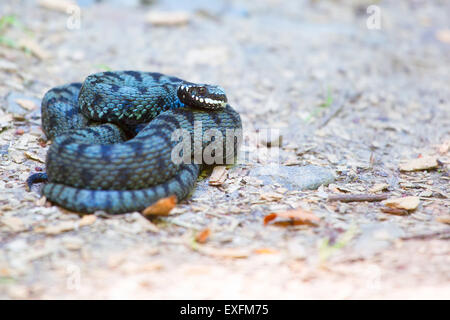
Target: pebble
<point x="309" y="177"/>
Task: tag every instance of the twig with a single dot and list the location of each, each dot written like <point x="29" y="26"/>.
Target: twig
<point x="440" y="234"/>
<point x="396" y="211"/>
<point x="357" y="197"/>
<point x="184" y="225"/>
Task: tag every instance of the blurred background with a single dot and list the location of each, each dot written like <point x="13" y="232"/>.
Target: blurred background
<point x="353" y="86"/>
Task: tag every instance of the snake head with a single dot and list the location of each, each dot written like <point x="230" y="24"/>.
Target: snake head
<point x="202" y="96"/>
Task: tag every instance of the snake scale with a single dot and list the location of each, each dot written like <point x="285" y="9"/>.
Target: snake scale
<point x="113" y="142"/>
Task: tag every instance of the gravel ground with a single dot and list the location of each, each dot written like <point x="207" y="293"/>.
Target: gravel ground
<point x="315" y="86"/>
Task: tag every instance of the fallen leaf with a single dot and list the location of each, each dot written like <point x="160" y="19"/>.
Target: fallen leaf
<point x="379" y="187"/>
<point x="423" y="163"/>
<point x="161" y="207"/>
<point x="444" y="219"/>
<point x="218" y="176"/>
<point x="293" y="217"/>
<point x="13" y="223"/>
<point x="398" y="212"/>
<point x="57" y="5"/>
<point x="271" y="196"/>
<point x="87" y="220"/>
<point x="35" y="49"/>
<point x="233" y="253"/>
<point x="60" y="228"/>
<point x="163" y="18"/>
<point x="443" y="35"/>
<point x="34" y="157"/>
<point x="26" y="104"/>
<point x="265" y="251"/>
<point x="203" y="235"/>
<point x="406" y="203"/>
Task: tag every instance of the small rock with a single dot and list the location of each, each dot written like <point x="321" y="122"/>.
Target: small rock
<point x="423" y="163"/>
<point x="426" y="193"/>
<point x="406" y="203"/>
<point x="294" y="178"/>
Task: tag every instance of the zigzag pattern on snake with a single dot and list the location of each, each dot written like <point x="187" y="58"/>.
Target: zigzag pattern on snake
<point x="113" y="139"/>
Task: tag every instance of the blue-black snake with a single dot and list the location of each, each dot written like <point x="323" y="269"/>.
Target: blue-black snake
<point x="114" y="142"/>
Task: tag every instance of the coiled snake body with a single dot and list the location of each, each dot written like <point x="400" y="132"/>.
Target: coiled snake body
<point x="113" y="139"/>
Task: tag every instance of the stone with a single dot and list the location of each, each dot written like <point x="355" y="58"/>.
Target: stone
<point x="309" y="177"/>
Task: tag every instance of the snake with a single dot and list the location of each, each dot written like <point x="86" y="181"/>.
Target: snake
<point x="122" y="140"/>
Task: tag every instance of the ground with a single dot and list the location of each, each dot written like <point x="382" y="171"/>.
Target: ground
<point x="333" y="85"/>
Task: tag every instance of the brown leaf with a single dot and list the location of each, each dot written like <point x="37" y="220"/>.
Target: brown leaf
<point x="203" y="235"/>
<point x="293" y="217"/>
<point x="218" y="176"/>
<point x="444" y="219"/>
<point x="265" y="251"/>
<point x="405" y="203"/>
<point x="398" y="212"/>
<point x="423" y="163"/>
<point x="161" y="207"/>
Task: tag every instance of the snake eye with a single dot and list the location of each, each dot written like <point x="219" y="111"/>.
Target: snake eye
<point x="202" y="90"/>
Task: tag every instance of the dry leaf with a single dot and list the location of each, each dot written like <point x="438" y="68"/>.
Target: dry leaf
<point x="423" y="163"/>
<point x="405" y="203"/>
<point x="218" y="176"/>
<point x="161" y="18"/>
<point x="161" y="207"/>
<point x="203" y="235"/>
<point x="293" y="217"/>
<point x="265" y="251"/>
<point x="398" y="212"/>
<point x="34" y="157"/>
<point x="272" y="196"/>
<point x="35" y="49"/>
<point x="444" y="219"/>
<point x="379" y="187"/>
<point x="60" y="228"/>
<point x="26" y="104"/>
<point x="13" y="223"/>
<point x="224" y="253"/>
<point x="57" y="5"/>
<point x="87" y="220"/>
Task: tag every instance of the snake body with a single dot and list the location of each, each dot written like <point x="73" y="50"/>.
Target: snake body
<point x="113" y="143"/>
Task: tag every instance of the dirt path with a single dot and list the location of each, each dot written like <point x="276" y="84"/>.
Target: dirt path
<point x="362" y="103"/>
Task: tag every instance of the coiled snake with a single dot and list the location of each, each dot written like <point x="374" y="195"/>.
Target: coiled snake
<point x="113" y="143"/>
